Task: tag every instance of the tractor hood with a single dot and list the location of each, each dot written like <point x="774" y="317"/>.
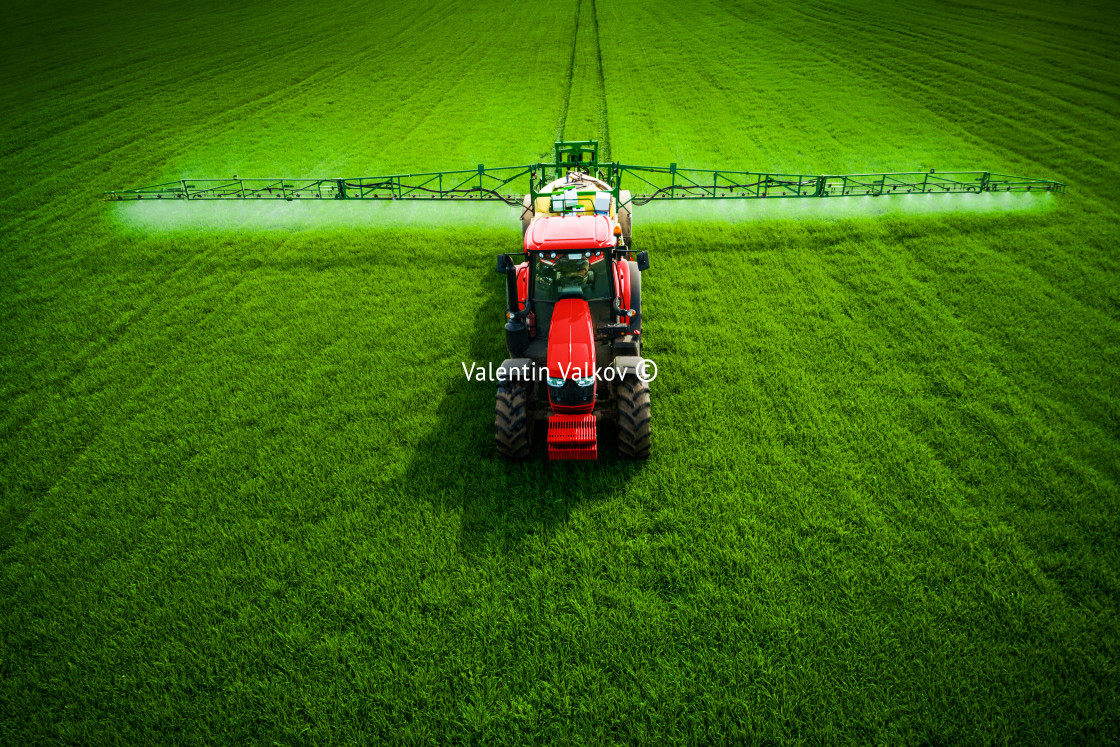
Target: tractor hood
<point x="564" y="233"/>
<point x="571" y="340"/>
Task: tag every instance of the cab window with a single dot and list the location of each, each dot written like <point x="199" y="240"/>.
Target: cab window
<point x="574" y="274"/>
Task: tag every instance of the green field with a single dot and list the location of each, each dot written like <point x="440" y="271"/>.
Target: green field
<point x="248" y="496"/>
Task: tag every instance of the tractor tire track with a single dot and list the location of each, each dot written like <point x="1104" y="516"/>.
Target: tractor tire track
<point x="604" y="121"/>
<point x="566" y="100"/>
<point x="585" y="95"/>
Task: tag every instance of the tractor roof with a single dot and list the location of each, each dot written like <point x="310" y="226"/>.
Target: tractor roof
<point x="564" y="233"/>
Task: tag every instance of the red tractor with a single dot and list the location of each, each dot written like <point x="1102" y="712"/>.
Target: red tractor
<point x="574" y="325"/>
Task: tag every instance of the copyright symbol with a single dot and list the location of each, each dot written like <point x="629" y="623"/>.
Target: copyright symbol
<point x="643" y="371"/>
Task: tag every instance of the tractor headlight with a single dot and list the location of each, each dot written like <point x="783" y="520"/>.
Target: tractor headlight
<point x="555" y="381"/>
<point x="586" y="382"/>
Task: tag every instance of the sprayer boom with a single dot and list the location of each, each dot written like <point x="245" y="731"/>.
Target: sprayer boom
<point x="511" y="183"/>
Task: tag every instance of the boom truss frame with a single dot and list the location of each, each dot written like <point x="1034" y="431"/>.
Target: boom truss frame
<point x="510" y="183"/>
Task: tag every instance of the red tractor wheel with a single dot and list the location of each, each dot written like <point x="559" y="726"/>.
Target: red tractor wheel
<point x="513" y="427"/>
<point x="633" y="418"/>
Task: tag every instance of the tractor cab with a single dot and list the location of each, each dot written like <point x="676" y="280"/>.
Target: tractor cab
<point x="571" y="275"/>
<point x="569" y="257"/>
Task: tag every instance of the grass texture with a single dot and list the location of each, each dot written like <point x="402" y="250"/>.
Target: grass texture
<point x="248" y="495"/>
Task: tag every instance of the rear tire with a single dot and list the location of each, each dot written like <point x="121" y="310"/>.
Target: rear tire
<point x="633" y="419"/>
<point x="512" y="423"/>
<point x="636" y="293"/>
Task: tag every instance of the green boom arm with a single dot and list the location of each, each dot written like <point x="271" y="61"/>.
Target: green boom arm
<point x="510" y="183"/>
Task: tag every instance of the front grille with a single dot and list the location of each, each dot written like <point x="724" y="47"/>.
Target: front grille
<point x="572" y="437"/>
<point x="571" y="394"/>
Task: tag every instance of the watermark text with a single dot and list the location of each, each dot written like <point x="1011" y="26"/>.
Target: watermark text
<point x="646" y="370"/>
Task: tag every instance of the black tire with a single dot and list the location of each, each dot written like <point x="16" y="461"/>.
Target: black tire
<point x="636" y="293"/>
<point x="633" y="418"/>
<point x="513" y="426"/>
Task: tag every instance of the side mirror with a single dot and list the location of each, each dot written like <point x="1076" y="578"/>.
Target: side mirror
<point x="643" y="261"/>
<point x="503" y="264"/>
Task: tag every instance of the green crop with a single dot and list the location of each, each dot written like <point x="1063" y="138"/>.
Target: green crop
<point x="248" y="496"/>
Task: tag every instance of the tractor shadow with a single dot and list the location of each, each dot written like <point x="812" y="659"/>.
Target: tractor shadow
<point x="456" y="468"/>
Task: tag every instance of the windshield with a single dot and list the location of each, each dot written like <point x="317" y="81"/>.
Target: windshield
<point x="571" y="275"/>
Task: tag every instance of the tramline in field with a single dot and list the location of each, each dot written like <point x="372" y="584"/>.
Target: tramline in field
<point x="573" y="293"/>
